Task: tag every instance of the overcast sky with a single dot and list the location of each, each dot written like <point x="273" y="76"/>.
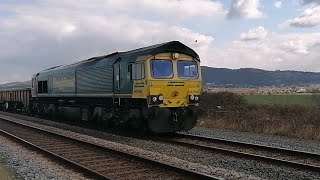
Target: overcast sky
<point x="265" y="34"/>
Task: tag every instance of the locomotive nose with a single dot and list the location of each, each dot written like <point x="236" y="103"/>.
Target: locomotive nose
<point x="174" y="93"/>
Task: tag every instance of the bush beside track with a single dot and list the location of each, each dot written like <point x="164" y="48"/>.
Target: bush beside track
<point x="235" y="113"/>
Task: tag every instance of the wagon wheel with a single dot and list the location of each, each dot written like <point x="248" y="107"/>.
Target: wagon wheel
<point x="6" y="106"/>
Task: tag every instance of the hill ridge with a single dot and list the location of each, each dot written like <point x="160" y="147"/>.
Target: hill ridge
<point x="242" y="77"/>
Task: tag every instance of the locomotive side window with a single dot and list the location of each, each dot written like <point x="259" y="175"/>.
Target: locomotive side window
<point x="42" y="87"/>
<point x="137" y="71"/>
<point x="39" y="86"/>
<point x="45" y="86"/>
<point x="161" y="68"/>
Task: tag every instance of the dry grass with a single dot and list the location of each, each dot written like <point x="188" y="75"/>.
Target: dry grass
<point x="235" y="114"/>
<point x="5" y="174"/>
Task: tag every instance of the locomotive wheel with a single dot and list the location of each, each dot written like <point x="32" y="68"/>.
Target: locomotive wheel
<point x="52" y="111"/>
<point x="190" y="119"/>
<point x="103" y="122"/>
<point x="6" y="106"/>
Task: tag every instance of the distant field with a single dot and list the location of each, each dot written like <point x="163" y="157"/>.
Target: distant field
<point x="301" y="99"/>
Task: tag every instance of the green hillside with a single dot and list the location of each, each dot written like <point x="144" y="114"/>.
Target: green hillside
<point x="248" y="77"/>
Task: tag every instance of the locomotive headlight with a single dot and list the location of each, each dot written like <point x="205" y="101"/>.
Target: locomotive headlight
<point x="194" y="98"/>
<point x="154" y="99"/>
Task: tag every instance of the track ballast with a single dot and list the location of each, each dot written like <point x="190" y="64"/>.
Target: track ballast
<point x="273" y="155"/>
<point x="92" y="159"/>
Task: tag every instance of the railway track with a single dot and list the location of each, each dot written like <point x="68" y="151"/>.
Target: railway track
<point x="272" y="155"/>
<point x="94" y="160"/>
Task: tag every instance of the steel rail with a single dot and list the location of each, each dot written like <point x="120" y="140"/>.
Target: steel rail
<point x="183" y="171"/>
<point x="74" y="165"/>
<point x="239" y="154"/>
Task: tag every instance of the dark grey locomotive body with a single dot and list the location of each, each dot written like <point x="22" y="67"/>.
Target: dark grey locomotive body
<point x="119" y="89"/>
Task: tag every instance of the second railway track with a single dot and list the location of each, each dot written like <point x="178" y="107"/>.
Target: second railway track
<point x="97" y="161"/>
<point x="272" y="155"/>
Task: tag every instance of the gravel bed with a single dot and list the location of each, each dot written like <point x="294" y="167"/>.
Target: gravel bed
<point x="262" y="139"/>
<point x="216" y="164"/>
<point x="127" y="144"/>
<point x="28" y="164"/>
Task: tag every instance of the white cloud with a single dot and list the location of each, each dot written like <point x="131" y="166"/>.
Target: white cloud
<point x="257" y="33"/>
<point x="289" y="51"/>
<point x="38" y="37"/>
<point x="191" y="7"/>
<point x="178" y="8"/>
<point x="278" y="60"/>
<point x="310" y="17"/>
<point x="278" y="4"/>
<point x="245" y="9"/>
<point x="296" y="45"/>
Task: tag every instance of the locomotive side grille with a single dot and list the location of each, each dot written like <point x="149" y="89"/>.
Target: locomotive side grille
<point x="97" y="80"/>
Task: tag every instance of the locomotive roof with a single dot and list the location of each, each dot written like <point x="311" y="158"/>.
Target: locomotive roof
<point x="172" y="46"/>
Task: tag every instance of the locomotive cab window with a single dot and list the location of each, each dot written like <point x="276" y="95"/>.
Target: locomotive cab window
<point x="187" y="69"/>
<point x="161" y="68"/>
<point x="136" y="71"/>
<point x="39" y="86"/>
<point x="42" y="87"/>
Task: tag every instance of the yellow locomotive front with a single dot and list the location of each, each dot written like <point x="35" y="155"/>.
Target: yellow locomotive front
<point x="174" y="80"/>
<point x="172" y="87"/>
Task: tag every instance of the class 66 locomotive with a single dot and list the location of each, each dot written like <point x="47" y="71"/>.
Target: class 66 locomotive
<point x="155" y="88"/>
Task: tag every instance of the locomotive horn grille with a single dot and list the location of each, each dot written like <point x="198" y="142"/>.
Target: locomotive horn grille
<point x="175" y="93"/>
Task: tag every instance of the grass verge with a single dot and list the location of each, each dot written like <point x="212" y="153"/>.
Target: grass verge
<point x="5" y="173"/>
<point x="276" y="119"/>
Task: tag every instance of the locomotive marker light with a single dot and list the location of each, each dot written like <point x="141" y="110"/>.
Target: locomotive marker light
<point x="175" y="55"/>
<point x="154" y="99"/>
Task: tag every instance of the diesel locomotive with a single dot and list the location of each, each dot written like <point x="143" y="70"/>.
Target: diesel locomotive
<point x="155" y="88"/>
